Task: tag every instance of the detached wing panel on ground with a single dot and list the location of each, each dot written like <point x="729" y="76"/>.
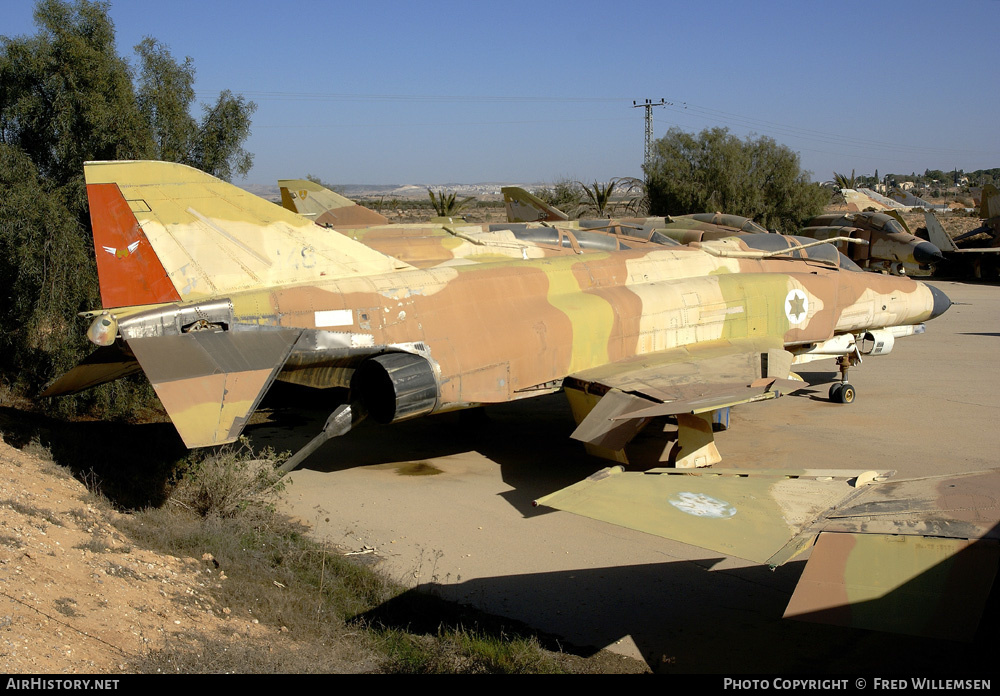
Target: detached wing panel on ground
<point x="763" y="516"/>
<point x="915" y="556"/>
<point x="924" y="586"/>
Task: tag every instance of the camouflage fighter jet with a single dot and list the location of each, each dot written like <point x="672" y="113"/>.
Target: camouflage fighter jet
<point x="890" y="247"/>
<point x="225" y="292"/>
<point x="967" y="257"/>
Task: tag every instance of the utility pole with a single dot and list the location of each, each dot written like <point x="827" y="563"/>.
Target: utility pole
<point x="648" y="106"/>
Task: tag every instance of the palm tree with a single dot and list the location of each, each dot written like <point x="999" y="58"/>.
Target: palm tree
<point x="636" y="195"/>
<point x="843" y="182"/>
<point x="598" y="197"/>
<point x="447" y="204"/>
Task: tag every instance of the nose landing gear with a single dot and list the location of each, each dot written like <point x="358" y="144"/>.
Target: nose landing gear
<point x="843" y="391"/>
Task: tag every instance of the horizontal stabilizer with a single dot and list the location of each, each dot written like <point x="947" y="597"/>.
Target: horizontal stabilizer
<point x="105" y="364"/>
<point x="210" y="382"/>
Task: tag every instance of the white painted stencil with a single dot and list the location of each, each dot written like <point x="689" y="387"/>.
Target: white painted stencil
<point x="701" y="505"/>
<point x="334" y="317"/>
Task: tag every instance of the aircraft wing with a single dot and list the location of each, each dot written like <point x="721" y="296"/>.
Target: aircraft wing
<point x="912" y="556"/>
<point x="687" y="381"/>
<point x="763" y="516"/>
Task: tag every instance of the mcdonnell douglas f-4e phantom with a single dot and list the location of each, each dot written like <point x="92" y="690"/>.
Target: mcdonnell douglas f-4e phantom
<point x="224" y="293"/>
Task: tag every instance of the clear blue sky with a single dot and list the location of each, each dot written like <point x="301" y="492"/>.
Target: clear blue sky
<point x="439" y="92"/>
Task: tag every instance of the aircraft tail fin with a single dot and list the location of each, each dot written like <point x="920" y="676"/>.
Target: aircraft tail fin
<point x="325" y="207"/>
<point x="524" y="207"/>
<point x="128" y="269"/>
<point x="899" y="218"/>
<point x="205" y="237"/>
<point x="936" y="234"/>
<point x="990" y="204"/>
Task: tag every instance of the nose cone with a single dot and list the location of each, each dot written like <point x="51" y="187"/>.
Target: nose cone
<point x="941" y="302"/>
<point x="927" y="253"/>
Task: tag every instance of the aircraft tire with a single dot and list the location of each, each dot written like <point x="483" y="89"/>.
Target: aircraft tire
<point x="835" y="393"/>
<point x="846" y="394"/>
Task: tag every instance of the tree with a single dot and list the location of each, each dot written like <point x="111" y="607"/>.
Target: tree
<point x="165" y="92"/>
<point x="66" y="97"/>
<point x="46" y="275"/>
<point x="563" y="194"/>
<point x="717" y="172"/>
<point x="218" y="146"/>
<point x="448" y="204"/>
<point x="598" y="196"/>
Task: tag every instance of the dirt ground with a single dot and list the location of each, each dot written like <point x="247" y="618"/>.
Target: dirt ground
<point x="76" y="596"/>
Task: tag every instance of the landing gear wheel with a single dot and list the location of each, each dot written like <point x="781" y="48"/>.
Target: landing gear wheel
<point x="844" y="395"/>
<point x="835" y="392"/>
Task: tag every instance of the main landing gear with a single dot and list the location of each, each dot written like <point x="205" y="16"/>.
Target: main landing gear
<point x="843" y="392"/>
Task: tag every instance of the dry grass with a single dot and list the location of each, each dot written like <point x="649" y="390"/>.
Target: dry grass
<point x="321" y="605"/>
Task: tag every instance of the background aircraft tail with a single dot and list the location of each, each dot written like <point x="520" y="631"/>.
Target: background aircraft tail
<point x="167" y="232"/>
<point x="936" y="234"/>
<point x="990" y="205"/>
<point x="523" y="207"/>
<point x="325" y="207"/>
